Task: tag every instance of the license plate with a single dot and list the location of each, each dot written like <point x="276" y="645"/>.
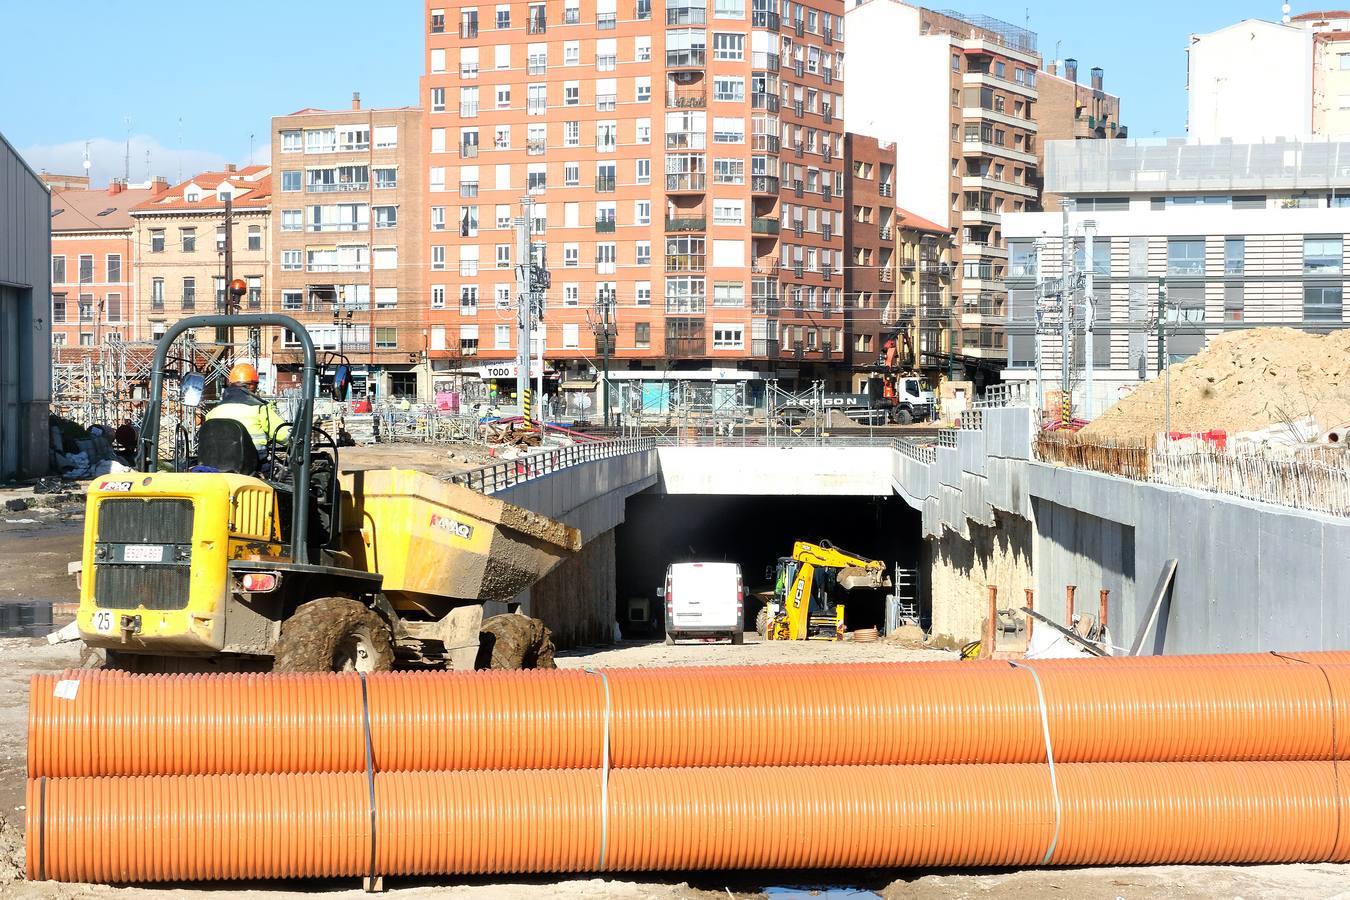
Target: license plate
<point x="143" y="553"/>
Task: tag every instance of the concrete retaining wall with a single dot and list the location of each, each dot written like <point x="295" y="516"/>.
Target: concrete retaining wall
<point x="800" y="471"/>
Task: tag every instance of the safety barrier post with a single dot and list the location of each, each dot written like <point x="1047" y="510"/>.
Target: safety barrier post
<point x="1031" y="620"/>
<point x="1101" y="615"/>
<point x="1068" y="604"/>
<point x="990" y="636"/>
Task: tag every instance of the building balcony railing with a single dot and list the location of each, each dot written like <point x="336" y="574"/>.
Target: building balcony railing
<point x="885" y="190"/>
<point x="826" y="352"/>
<point x="468" y="151"/>
<point x="687" y="262"/>
<point x="765" y="306"/>
<point x="606" y="63"/>
<point x="606" y="102"/>
<point x="686" y="59"/>
<point x="572" y="15"/>
<point x="468" y="110"/>
<point x="606" y="21"/>
<point x="687" y="304"/>
<point x="681" y="183"/>
<point x="764" y="266"/>
<point x="884" y="232"/>
<point x="762" y="61"/>
<point x="536" y="68"/>
<point x="468" y="189"/>
<point x="764" y="347"/>
<point x="763" y="184"/>
<point x="686" y="99"/>
<point x="686" y="223"/>
<point x="467" y="30"/>
<point x="765" y="143"/>
<point x="189" y="300"/>
<point x="536" y="25"/>
<point x="760" y="100"/>
<point x="643" y="10"/>
<point x="536" y="146"/>
<point x="338" y="187"/>
<point x="762" y="18"/>
<point x="686" y="347"/>
<point x="761" y="225"/>
<point x="827" y="75"/>
<point x="604" y="226"/>
<point x="686" y="140"/>
<point x="605" y="184"/>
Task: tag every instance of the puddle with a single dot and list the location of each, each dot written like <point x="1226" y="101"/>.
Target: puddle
<point x="33" y="618"/>
<point x="813" y="893"/>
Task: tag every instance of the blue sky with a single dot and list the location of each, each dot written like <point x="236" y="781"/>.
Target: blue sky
<point x="95" y="63"/>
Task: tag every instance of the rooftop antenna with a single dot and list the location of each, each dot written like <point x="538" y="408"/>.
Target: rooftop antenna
<point x="147" y="164"/>
<point x="180" y="148"/>
<point x="87" y="164"/>
<point x="126" y="170"/>
<point x="250" y="148"/>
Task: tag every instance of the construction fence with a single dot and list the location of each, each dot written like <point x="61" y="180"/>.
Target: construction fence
<point x="1316" y="479"/>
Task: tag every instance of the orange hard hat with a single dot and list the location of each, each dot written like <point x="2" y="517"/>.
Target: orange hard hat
<point x="243" y="373"/>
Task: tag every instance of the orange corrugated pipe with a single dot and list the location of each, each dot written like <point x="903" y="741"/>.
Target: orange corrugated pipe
<point x="1263" y="707"/>
<point x="192" y="828"/>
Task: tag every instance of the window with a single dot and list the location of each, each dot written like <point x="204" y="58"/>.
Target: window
<point x="436" y="179"/>
<point x="571" y="336"/>
<point x="501" y="336"/>
<point x="642" y="212"/>
<point x="644" y="253"/>
<point x="643" y="89"/>
<point x="468" y="261"/>
<point x="503" y="16"/>
<point x="438" y="296"/>
<point x="1343" y="61"/>
<point x="536" y="62"/>
<point x="292" y="301"/>
<point x="571" y="174"/>
<point x="606" y="257"/>
<point x="503" y="295"/>
<point x="728" y="46"/>
<point x="189" y="298"/>
<point x="114" y="268"/>
<point x="571" y="93"/>
<point x="642" y="335"/>
<point x="1232" y="302"/>
<point x="606" y="137"/>
<point x="571" y="255"/>
<point x="468" y="340"/>
<point x="387" y="217"/>
<point x="644" y="171"/>
<point x="503" y="216"/>
<point x="643" y="131"/>
<point x="385" y="257"/>
<point x="468" y="102"/>
<point x="438" y="257"/>
<point x="642" y="293"/>
<point x="728" y="212"/>
<point x="729" y="9"/>
<point x="58" y="270"/>
<point x="728" y="337"/>
<point x="571" y="134"/>
<point x="156" y="246"/>
<point x="728" y="88"/>
<point x="254" y="291"/>
<point x="606" y="55"/>
<point x="320" y="140"/>
<point x="728" y="171"/>
<point x="156" y="295"/>
<point x="292" y="260"/>
<point x="1234" y="249"/>
<point x="728" y="293"/>
<point x="688" y="47"/>
<point x="386" y="337"/>
<point x="386" y="137"/>
<point x="642" y="48"/>
<point x="728" y="130"/>
<point x="503" y="256"/>
<point x="504" y="96"/>
<point x="571" y="53"/>
<point x="1322" y="303"/>
<point x="290" y="180"/>
<point x="290" y="142"/>
<point x="255" y="237"/>
<point x="437" y="105"/>
<point x="537" y="178"/>
<point x="1186" y="257"/>
<point x="536" y="99"/>
<point x="468" y="300"/>
<point x="1322" y="256"/>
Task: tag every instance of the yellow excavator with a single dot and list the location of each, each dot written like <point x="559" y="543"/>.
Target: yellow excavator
<point x="801" y="608"/>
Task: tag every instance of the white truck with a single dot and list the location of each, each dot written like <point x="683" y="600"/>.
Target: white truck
<point x="704" y="599"/>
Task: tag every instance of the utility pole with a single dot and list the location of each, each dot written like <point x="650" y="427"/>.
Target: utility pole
<point x="226" y="335"/>
<point x="524" y="296"/>
<point x="605" y="329"/>
<point x="1066" y="290"/>
<point x="1036" y="318"/>
<point x="1089" y="313"/>
<point x="1162" y="359"/>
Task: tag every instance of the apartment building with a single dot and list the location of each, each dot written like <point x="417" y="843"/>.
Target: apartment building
<point x="348" y="225"/>
<point x="1068" y="110"/>
<point x="94" y="253"/>
<point x="685" y="167"/>
<point x="1299" y="86"/>
<point x="899" y="271"/>
<point x="180" y="236"/>
<point x="1236" y="235"/>
<point x="965" y="129"/>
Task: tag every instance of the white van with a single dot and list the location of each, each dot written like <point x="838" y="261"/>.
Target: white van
<point x="704" y="599"/>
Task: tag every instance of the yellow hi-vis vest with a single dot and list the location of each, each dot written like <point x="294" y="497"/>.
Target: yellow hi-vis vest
<point x="263" y="420"/>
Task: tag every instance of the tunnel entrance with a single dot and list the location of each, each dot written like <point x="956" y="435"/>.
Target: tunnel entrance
<point x="754" y="531"/>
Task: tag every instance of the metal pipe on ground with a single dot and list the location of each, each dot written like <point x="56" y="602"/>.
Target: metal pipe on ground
<point x="1253" y="706"/>
<point x="204" y="828"/>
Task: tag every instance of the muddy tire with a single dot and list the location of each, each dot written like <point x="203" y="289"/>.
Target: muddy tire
<point x="762" y="620"/>
<point x="334" y="634"/>
<point x="513" y="641"/>
<point x="904" y="417"/>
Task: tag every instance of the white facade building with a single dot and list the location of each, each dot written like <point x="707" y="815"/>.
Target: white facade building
<point x="1238" y="235"/>
<point x="1257" y="80"/>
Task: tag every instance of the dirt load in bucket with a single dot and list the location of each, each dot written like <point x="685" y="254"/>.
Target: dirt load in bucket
<point x="1244" y="381"/>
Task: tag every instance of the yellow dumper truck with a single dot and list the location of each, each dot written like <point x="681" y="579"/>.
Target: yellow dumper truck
<point x="232" y="558"/>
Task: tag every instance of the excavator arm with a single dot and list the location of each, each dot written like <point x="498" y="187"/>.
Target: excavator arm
<point x="796" y="623"/>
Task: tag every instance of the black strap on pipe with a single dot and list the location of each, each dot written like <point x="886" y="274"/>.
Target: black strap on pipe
<point x="370" y="777"/>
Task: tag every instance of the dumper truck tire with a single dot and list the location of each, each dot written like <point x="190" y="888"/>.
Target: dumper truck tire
<point x="334" y="634"/>
<point x="762" y="620"/>
<point x="513" y="641"/>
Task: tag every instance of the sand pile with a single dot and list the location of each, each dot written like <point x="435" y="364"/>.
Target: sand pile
<point x="1243" y="381"/>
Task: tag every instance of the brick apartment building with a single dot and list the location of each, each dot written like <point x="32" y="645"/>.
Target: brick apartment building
<point x="93" y="260"/>
<point x="180" y="236"/>
<point x="1068" y="110"/>
<point x="965" y="127"/>
<point x="685" y="162"/>
<point x="347" y="256"/>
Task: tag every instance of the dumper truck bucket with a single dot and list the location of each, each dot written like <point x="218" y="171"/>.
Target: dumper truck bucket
<point x="852" y="577"/>
<point x="433" y="541"/>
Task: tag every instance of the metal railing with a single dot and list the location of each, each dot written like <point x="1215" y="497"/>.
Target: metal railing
<point x="508" y="473"/>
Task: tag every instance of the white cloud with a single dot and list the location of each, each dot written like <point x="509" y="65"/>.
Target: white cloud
<point x="107" y="157"/>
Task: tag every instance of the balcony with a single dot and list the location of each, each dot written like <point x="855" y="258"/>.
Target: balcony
<point x="984" y="216"/>
<point x="606" y="63"/>
<point x="468" y="30"/>
<point x="535" y="67"/>
<point x="536" y="25"/>
<point x="337" y="187"/>
<point x="686" y="16"/>
<point x="762" y="18"/>
<point x="987" y="183"/>
<point x="763" y="184"/>
<point x="767" y="102"/>
<point x="764" y="143"/>
<point x="643" y="10"/>
<point x="826" y="352"/>
<point x="765" y="265"/>
<point x="686" y="59"/>
<point x="762" y="225"/>
<point x="687" y="99"/>
<point x="189" y="300"/>
<point x="468" y="151"/>
<point x="468" y="110"/>
<point x="687" y="262"/>
<point x="696" y="183"/>
<point x="1002" y="118"/>
<point x="468" y="189"/>
<point x="988" y="148"/>
<point x="886" y="276"/>
<point x="686" y="223"/>
<point x="764" y="305"/>
<point x="990" y="80"/>
<point x="606" y="102"/>
<point x="605" y="184"/>
<point x="764" y="347"/>
<point x="686" y="347"/>
<point x="884" y="232"/>
<point x="604" y="226"/>
<point x="572" y="15"/>
<point x="686" y="140"/>
<point x="827" y="75"/>
<point x="765" y="62"/>
<point x="606" y="21"/>
<point x="536" y="146"/>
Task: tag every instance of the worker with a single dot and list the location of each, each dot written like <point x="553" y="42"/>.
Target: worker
<point x="240" y="402"/>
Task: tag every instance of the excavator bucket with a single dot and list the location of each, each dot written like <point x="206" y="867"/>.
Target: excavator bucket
<point x="853" y="577"/>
